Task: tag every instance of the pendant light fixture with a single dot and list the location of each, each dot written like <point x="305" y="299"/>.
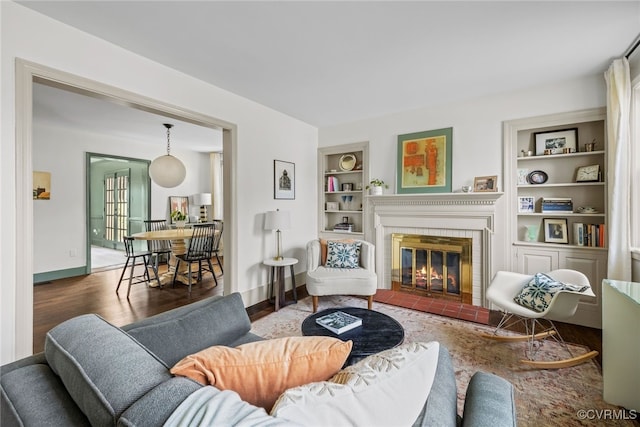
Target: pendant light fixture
<point x="167" y="171"/>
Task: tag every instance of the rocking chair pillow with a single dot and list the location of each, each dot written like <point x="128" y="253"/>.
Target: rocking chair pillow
<point x="343" y="255"/>
<point x="538" y="293"/>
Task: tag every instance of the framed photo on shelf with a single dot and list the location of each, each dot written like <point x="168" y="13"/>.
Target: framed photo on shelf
<point x="522" y="176"/>
<point x="333" y="206"/>
<point x="485" y="184"/>
<point x="555" y="230"/>
<point x="526" y="204"/>
<point x="424" y="162"/>
<point x="284" y="180"/>
<point x="556" y="141"/>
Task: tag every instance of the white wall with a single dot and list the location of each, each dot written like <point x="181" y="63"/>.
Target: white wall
<point x="477" y="133"/>
<point x="263" y="135"/>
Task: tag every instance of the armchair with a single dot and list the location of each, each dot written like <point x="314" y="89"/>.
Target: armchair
<point x="325" y="280"/>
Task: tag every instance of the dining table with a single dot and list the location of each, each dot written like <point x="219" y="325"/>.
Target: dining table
<point x="178" y="238"/>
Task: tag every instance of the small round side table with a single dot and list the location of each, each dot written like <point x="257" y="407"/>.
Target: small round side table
<point x="278" y="294"/>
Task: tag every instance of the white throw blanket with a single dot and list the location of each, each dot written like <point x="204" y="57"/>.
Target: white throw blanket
<point x="209" y="406"/>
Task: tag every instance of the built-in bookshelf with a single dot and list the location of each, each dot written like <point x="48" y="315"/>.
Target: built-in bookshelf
<point x="557" y="198"/>
<point x="342" y="177"/>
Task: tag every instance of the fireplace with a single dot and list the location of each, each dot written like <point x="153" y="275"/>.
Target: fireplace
<point x="434" y="266"/>
<point x="451" y="215"/>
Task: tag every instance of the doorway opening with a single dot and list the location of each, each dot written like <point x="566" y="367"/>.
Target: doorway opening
<point x="112" y="209"/>
<point x="27" y="74"/>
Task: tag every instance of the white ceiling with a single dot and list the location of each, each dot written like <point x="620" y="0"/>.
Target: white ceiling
<point x="332" y="62"/>
<point x="61" y="108"/>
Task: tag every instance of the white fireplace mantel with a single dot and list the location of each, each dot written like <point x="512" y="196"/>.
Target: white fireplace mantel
<point x="446" y="214"/>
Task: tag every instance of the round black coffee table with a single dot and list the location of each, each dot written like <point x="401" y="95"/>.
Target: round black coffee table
<point x="378" y="332"/>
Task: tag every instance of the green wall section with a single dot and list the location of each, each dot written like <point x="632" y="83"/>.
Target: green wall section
<point x="40" y="278"/>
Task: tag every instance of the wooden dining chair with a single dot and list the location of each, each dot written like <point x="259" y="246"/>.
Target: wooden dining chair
<point x="132" y="257"/>
<point x="158" y="248"/>
<point x="200" y="250"/>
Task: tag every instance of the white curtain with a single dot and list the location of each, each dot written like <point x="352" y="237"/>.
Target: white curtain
<point x="216" y="186"/>
<point x="618" y="169"/>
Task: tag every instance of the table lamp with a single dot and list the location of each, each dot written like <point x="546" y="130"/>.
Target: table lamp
<point x="277" y="220"/>
<point x="203" y="200"/>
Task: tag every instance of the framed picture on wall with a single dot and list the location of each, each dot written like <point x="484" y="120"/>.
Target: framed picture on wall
<point x="41" y="185"/>
<point x="179" y="204"/>
<point x="424" y="162"/>
<point x="284" y="180"/>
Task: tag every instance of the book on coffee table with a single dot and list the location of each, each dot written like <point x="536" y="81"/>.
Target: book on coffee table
<point x="339" y="322"/>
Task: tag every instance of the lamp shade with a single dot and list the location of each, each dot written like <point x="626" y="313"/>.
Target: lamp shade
<point x="201" y="199"/>
<point x="277" y="220"/>
<point x="167" y="171"/>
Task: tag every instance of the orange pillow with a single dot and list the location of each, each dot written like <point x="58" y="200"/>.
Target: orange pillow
<point x="261" y="371"/>
<point x="323" y="248"/>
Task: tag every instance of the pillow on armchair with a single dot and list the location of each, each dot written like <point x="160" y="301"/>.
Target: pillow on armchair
<point x="343" y="255"/>
<point x="323" y="248"/>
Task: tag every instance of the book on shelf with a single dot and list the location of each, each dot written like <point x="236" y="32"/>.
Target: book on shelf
<point x="578" y="234"/>
<point x="343" y="227"/>
<point x="332" y="184"/>
<point x="339" y="322"/>
<point x="591" y="235"/>
<point x="562" y="204"/>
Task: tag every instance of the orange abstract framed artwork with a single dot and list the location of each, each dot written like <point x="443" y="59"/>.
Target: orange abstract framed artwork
<point x="424" y="162"/>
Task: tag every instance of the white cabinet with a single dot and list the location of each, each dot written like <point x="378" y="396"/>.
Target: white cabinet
<point x="342" y="177"/>
<point x="535" y="249"/>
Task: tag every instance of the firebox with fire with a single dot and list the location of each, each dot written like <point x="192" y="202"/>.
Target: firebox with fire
<point x="432" y="266"/>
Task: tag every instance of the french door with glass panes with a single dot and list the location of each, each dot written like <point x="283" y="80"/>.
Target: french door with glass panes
<point x="116" y="207"/>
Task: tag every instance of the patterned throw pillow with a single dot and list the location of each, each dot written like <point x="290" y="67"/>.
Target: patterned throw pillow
<point x="538" y="293"/>
<point x="385" y="389"/>
<point x="343" y="255"/>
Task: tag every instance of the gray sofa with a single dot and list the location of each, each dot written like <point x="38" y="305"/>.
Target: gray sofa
<point x="93" y="373"/>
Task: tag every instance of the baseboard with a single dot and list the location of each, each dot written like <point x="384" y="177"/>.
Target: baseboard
<point x="39" y="278"/>
<point x="264" y="307"/>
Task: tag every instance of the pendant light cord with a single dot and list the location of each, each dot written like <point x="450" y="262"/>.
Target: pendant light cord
<point x="168" y="126"/>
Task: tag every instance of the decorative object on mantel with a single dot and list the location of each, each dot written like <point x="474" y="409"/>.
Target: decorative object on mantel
<point x="424" y="162"/>
<point x="485" y="184"/>
<point x="167" y="171"/>
<point x="375" y="187"/>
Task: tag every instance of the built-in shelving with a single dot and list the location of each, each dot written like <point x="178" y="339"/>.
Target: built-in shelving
<point x="339" y="203"/>
<point x="532" y="252"/>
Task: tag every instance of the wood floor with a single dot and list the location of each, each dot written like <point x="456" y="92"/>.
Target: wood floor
<point x="63" y="299"/>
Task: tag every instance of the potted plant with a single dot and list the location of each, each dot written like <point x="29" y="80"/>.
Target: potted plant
<point x="179" y="218"/>
<point x="375" y="186"/>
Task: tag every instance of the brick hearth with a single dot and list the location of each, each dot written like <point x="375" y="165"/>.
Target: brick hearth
<point x="441" y="307"/>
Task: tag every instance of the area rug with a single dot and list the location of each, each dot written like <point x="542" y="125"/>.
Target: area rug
<point x="543" y="397"/>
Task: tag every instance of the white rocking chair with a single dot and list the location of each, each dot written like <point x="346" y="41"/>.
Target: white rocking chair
<point x="507" y="285"/>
